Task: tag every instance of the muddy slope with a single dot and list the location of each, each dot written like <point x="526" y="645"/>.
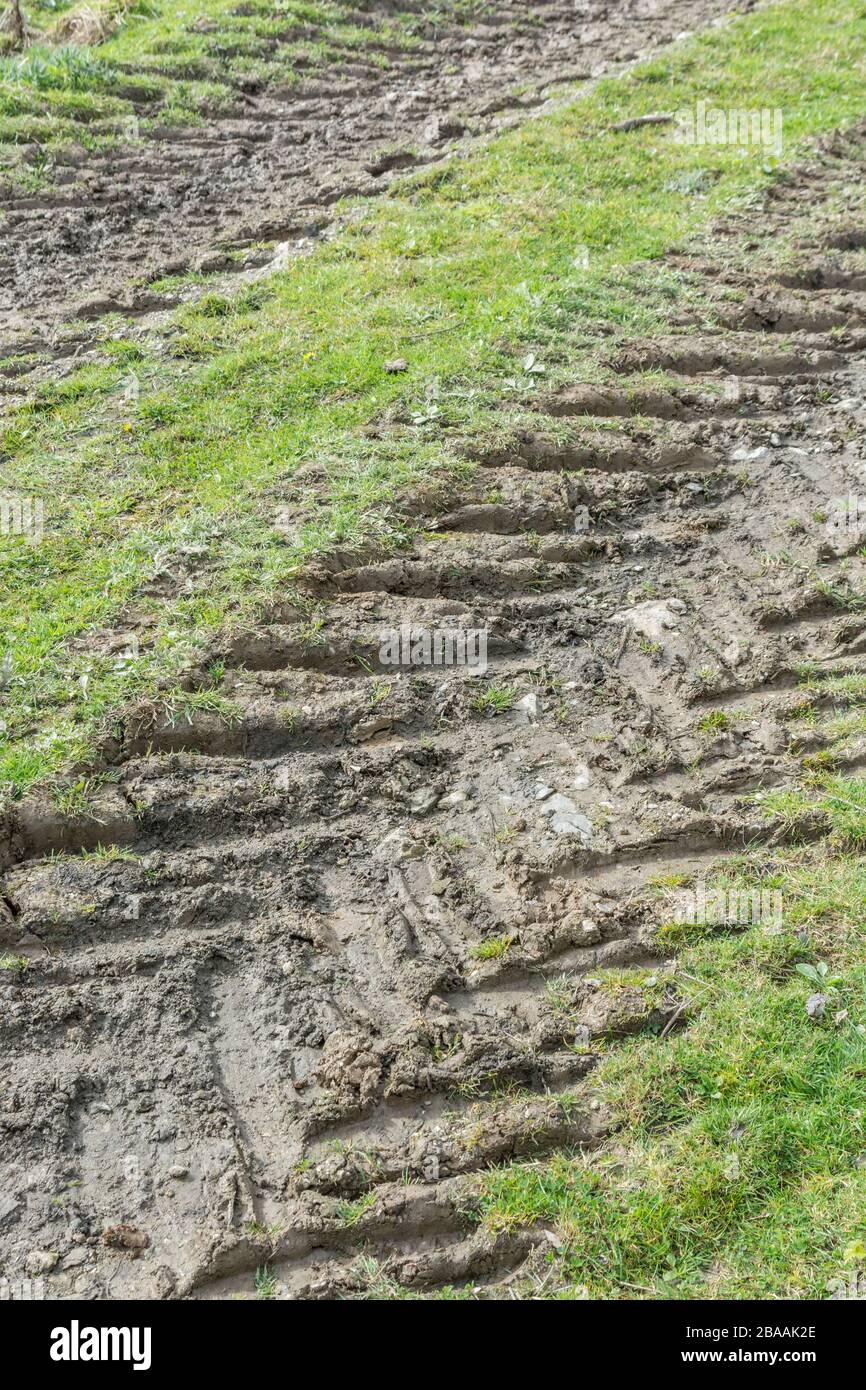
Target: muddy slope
<point x="273" y="169"/>
<point x="352" y="956"/>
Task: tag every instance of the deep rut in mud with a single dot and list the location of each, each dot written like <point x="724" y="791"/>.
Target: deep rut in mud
<point x="269" y="1034"/>
<point x="186" y="199"/>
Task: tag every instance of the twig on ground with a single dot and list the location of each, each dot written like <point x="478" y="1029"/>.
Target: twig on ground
<point x="655" y="118"/>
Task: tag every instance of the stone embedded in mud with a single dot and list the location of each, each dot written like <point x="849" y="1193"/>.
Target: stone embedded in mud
<point x="400" y="845"/>
<point x="41" y="1261"/>
<point x="565" y="819"/>
<point x="577" y="930"/>
<point x="770" y="736"/>
<point x="75" y="1259"/>
<point x="10" y="1209"/>
<point x="527" y="708"/>
<point x="424" y="801"/>
<point x="735" y="652"/>
<point x="653" y="618"/>
<point x="750" y="455"/>
<point x="396" y="364"/>
<point x="442" y="128"/>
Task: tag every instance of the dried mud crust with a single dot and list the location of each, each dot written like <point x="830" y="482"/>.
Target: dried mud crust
<point x="272" y="1033"/>
<point x="182" y="199"/>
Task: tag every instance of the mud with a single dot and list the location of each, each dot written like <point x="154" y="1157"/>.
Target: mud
<point x="271" y="170"/>
<point x="349" y="954"/>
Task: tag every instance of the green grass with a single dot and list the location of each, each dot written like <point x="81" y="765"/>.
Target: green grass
<point x="181" y="64"/>
<point x="16" y="964"/>
<point x="495" y="699"/>
<point x="350" y="1213"/>
<point x="715" y="721"/>
<point x="842" y="800"/>
<point x="265" y="1283"/>
<point x="736" y="1169"/>
<point x="492" y="948"/>
<point x="192" y="478"/>
<point x="846" y="689"/>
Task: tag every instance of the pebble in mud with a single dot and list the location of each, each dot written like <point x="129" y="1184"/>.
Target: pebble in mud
<point x="566" y="819"/>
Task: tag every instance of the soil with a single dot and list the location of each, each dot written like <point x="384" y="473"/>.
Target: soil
<point x="184" y="199"/>
<point x="352" y="959"/>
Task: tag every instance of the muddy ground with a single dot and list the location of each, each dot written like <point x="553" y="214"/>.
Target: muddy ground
<point x="180" y="200"/>
<point x="351" y="958"/>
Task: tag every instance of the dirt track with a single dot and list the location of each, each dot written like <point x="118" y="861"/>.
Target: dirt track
<point x="279" y="1009"/>
<point x="179" y="200"/>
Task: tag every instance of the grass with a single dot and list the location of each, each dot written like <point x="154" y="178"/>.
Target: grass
<point x="265" y="1282"/>
<point x="716" y="721"/>
<point x="350" y="1213"/>
<point x="736" y="1169"/>
<point x="189" y="480"/>
<point x="111" y="70"/>
<point x="495" y="699"/>
<point x="492" y="948"/>
<point x="16" y="964"/>
<point x="108" y="854"/>
<point x="841" y="800"/>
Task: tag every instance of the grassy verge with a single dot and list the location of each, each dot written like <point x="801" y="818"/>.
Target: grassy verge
<point x="489" y="299"/>
<point x="739" y="1168"/>
<point x="90" y="71"/>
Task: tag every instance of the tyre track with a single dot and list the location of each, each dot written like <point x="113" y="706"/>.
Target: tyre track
<point x="355" y="952"/>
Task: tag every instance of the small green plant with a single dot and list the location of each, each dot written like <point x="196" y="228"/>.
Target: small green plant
<point x="844" y="596"/>
<point x="716" y="721"/>
<point x="496" y="699"/>
<point x="74" y="799"/>
<point x="379" y="692"/>
<point x="819" y="976"/>
<point x="265" y="1282"/>
<point x="17" y="964"/>
<point x="662" y="882"/>
<point x="492" y="948"/>
<point x="185" y="704"/>
<point x="350" y="1213"/>
<point x="109" y="854"/>
<point x="559" y="994"/>
<point x="378" y="1284"/>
